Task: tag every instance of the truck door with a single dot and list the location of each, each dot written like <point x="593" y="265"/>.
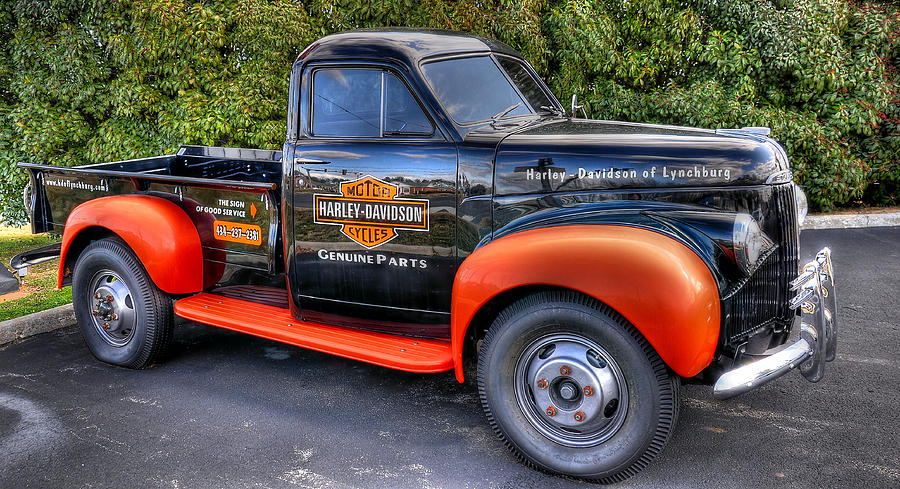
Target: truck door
<point x="374" y="205"/>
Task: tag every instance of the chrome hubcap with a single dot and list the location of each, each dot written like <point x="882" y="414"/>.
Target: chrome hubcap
<point x="112" y="308"/>
<point x="571" y="390"/>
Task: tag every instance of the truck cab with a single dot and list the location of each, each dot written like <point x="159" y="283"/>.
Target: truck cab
<point x="435" y="209"/>
<point x="368" y="118"/>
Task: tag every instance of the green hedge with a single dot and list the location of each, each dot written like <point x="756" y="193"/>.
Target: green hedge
<point x="86" y="81"/>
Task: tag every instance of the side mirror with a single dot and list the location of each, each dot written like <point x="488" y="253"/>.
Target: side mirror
<point x="575" y="107"/>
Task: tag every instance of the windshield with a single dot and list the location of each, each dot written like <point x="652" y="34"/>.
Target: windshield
<point x="475" y="89"/>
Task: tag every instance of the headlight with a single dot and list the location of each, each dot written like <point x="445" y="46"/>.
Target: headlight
<point x="802" y="204"/>
<point x="749" y="242"/>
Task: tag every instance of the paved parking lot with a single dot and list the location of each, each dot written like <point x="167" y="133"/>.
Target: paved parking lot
<point x="227" y="410"/>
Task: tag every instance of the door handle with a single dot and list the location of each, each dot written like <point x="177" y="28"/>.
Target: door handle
<point x="309" y="161"/>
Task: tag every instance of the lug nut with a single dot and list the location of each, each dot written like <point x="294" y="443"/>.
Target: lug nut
<point x="565" y="370"/>
<point x="551" y="411"/>
<point x="95" y="312"/>
<point x="588" y="391"/>
<point x="114" y="316"/>
<point x="109" y="298"/>
<point x="97" y="295"/>
<point x="105" y="325"/>
<point x="542" y="383"/>
<point x="579" y="416"/>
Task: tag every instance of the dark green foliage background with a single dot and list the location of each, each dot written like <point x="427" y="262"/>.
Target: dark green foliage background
<point x="87" y="81"/>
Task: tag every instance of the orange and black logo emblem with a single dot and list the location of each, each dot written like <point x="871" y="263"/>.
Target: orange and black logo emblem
<point x="369" y="211"/>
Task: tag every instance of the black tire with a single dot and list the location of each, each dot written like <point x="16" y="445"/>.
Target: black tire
<point x="532" y="336"/>
<point x="134" y="319"/>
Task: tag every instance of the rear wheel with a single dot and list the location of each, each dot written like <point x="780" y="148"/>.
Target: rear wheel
<point x="573" y="388"/>
<point x="124" y="318"/>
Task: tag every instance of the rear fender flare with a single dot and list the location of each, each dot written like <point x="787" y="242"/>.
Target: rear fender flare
<point x="657" y="283"/>
<point x="159" y="232"/>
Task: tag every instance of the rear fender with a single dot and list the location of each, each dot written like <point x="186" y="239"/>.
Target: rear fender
<point x="159" y="232"/>
<point x="657" y="283"/>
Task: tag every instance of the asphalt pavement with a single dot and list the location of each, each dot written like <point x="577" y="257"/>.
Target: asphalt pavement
<point x="227" y="410"/>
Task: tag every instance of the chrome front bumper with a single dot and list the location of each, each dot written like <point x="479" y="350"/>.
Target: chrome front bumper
<point x="817" y="344"/>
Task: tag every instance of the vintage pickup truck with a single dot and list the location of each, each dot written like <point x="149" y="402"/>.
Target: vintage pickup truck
<point x="434" y="208"/>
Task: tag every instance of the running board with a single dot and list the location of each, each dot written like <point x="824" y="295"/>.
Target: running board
<point x="275" y="323"/>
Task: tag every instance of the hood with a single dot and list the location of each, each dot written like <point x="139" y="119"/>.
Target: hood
<point x="573" y="155"/>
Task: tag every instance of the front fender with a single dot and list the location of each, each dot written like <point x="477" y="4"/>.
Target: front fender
<point x="657" y="283"/>
<point x="158" y="231"/>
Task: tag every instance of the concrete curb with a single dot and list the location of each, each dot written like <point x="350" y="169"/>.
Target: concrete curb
<point x="847" y="221"/>
<point x="40" y="322"/>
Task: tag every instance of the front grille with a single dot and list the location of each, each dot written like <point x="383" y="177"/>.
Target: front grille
<point x="762" y="300"/>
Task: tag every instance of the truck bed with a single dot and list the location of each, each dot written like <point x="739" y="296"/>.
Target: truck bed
<point x="206" y="162"/>
<point x="218" y="188"/>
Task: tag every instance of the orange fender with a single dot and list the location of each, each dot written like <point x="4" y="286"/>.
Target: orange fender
<point x="159" y="232"/>
<point x="658" y="284"/>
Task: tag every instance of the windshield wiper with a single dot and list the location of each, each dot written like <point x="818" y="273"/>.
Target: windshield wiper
<point x="506" y="111"/>
<point x="552" y="109"/>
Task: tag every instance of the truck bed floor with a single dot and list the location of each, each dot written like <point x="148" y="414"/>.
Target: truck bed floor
<point x="275" y="323"/>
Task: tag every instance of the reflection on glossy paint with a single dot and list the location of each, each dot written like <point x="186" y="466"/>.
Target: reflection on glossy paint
<point x="488" y="180"/>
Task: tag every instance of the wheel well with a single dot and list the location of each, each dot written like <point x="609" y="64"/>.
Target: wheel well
<point x="485" y="316"/>
<point x="79" y="243"/>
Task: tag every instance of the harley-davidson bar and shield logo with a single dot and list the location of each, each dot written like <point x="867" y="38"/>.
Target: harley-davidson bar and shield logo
<point x="369" y="211"/>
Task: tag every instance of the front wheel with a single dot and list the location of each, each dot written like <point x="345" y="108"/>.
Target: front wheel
<point x="124" y="318"/>
<point x="573" y="388"/>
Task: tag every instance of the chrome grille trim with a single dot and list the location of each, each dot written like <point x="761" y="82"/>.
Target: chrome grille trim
<point x="762" y="300"/>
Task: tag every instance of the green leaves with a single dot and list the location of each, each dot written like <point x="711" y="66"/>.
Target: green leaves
<point x="87" y="81"/>
<point x="821" y="73"/>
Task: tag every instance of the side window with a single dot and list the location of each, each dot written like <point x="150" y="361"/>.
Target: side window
<point x="402" y="114"/>
<point x="346" y="102"/>
<point x="353" y="102"/>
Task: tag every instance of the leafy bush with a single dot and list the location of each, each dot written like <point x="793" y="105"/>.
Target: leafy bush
<point x="820" y="73"/>
<point x="86" y="81"/>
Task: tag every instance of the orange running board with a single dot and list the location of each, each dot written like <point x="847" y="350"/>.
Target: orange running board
<point x="275" y="323"/>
